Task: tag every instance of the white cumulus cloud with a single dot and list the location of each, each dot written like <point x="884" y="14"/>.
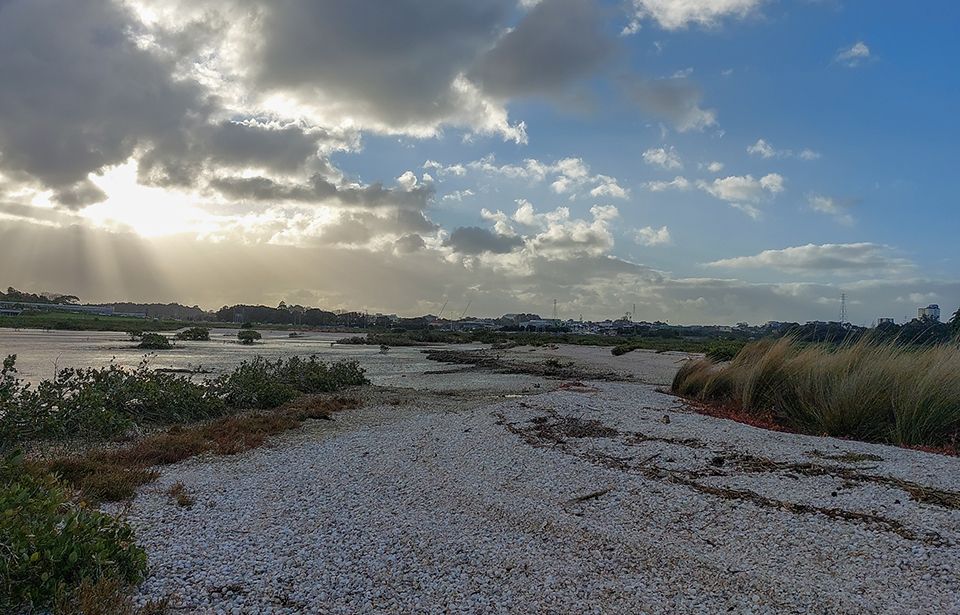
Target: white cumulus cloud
<point x="649" y="236"/>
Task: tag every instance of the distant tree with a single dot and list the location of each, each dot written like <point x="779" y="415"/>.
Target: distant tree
<point x="248" y="336"/>
<point x="195" y="334"/>
<point x="955" y="323"/>
<point x="154" y="341"/>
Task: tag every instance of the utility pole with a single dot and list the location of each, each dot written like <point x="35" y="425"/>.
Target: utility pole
<point x="555" y="309"/>
<point x="843" y="308"/>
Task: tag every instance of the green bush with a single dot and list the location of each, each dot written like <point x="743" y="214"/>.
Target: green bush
<point x="109" y="401"/>
<point x="154" y="341"/>
<point x="267" y="384"/>
<point x="248" y="336"/>
<point x="194" y="334"/>
<point x="51" y="544"/>
<point x="101" y="402"/>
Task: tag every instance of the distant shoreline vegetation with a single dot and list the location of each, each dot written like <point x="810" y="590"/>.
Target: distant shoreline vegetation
<point x="394" y="331"/>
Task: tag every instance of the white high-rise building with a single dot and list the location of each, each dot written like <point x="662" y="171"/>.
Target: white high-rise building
<point x="931" y="312"/>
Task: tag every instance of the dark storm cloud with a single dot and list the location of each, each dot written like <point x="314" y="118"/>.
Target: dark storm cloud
<point x="358" y="228"/>
<point x="558" y="42"/>
<point x="476" y="240"/>
<point x="409" y="243"/>
<point x="78" y="95"/>
<point x="180" y="159"/>
<point x="392" y="60"/>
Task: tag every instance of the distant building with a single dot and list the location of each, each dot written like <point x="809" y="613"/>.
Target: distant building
<point x="97" y="310"/>
<point x="931" y="312"/>
<point x="884" y="321"/>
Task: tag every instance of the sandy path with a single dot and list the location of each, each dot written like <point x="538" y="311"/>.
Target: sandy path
<point x="566" y="501"/>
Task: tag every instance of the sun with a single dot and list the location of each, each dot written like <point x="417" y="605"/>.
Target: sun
<point x="148" y="211"/>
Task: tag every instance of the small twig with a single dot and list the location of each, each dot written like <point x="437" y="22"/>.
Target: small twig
<point x="590" y="496"/>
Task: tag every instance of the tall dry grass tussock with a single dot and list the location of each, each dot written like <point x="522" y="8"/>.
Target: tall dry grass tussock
<point x="880" y="392"/>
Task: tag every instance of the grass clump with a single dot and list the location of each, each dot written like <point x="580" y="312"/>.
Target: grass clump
<point x="179" y="494"/>
<point x="873" y="391"/>
<point x="53" y="545"/>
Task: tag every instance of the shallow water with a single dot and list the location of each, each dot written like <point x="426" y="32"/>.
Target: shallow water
<point x="41" y="353"/>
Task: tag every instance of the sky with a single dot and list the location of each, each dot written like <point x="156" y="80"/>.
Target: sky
<point x="692" y="161"/>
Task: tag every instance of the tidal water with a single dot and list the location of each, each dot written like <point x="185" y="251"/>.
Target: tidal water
<point x="41" y="353"/>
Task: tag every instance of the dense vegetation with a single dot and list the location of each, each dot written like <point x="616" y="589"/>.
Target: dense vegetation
<point x="52" y="544"/>
<point x="869" y="390"/>
<point x="69" y="321"/>
<point x="59" y="553"/>
<point x="111" y="401"/>
<point x="17" y="296"/>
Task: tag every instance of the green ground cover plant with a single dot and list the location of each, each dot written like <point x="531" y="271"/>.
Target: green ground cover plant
<point x="52" y="544"/>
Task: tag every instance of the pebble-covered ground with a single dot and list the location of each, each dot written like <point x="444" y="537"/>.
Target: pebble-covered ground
<point x="608" y="497"/>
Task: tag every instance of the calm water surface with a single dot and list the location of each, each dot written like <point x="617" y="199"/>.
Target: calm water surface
<point x="40" y="353"/>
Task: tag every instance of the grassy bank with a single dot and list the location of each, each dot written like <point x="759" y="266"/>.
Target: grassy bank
<point x="59" y="553"/>
<point x="878" y="392"/>
<point x="619" y="345"/>
<point x="69" y="321"/>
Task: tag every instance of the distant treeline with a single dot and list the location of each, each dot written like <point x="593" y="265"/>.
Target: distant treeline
<point x="17" y="296"/>
<point x="163" y="311"/>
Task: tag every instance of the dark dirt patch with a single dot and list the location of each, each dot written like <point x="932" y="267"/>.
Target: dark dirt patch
<point x="549" y="368"/>
<point x="555" y="433"/>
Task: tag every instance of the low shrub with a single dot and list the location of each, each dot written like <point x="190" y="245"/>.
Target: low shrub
<point x="109" y="402"/>
<point x="154" y="341"/>
<point x="248" y="336"/>
<point x="51" y="544"/>
<point x="194" y="334"/>
<point x="874" y="391"/>
<point x="103" y="402"/>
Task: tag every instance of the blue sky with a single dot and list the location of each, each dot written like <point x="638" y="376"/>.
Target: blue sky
<point x="710" y="161"/>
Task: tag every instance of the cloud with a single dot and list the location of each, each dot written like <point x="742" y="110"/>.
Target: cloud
<point x="744" y="192"/>
<point x="476" y="240"/>
<point x="609" y="187"/>
<point x="80" y="95"/>
<point x="649" y="236"/>
<point x="715" y="166"/>
<point x="838" y="208"/>
<point x="677" y="183"/>
<point x="676" y="101"/>
<point x="596" y="286"/>
<point x="555" y="234"/>
<point x="827" y="258"/>
<point x="762" y="148"/>
<point x="569" y="175"/>
<point x="680" y="14"/>
<point x="766" y="150"/>
<point x="557" y="43"/>
<point x="663" y="157"/>
<point x="319" y="189"/>
<point x="854" y="55"/>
